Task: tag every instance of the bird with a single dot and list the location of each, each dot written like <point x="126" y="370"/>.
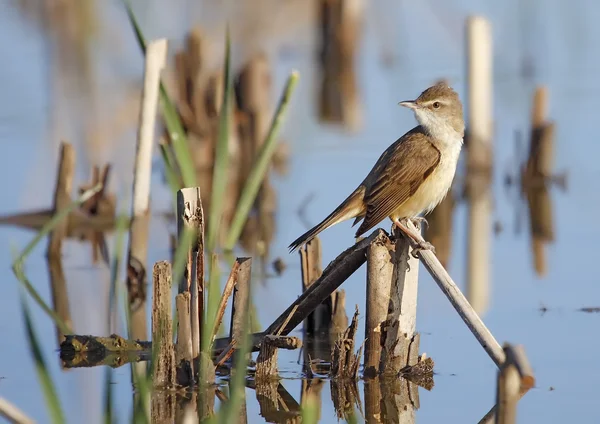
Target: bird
<point x="412" y="176"/>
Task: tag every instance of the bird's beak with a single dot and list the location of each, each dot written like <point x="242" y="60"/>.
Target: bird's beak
<point x="411" y="104"/>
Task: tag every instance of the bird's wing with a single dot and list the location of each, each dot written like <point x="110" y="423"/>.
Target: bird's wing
<point x="397" y="175"/>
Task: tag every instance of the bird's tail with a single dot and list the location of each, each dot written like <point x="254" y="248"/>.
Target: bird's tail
<point x="350" y="208"/>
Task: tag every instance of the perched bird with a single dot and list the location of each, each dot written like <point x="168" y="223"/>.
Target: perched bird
<point x="413" y="175"/>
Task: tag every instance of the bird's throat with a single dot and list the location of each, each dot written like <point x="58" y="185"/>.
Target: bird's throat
<point x="443" y="134"/>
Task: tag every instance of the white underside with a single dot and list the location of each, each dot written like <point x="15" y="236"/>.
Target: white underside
<point x="433" y="190"/>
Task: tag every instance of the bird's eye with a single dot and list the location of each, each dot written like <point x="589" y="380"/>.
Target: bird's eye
<point x="436" y="105"/>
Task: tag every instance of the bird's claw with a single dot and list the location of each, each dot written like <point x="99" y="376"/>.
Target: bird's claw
<point x="418" y="246"/>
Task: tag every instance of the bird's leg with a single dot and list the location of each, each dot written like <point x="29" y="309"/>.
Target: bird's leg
<point x="418" y="243"/>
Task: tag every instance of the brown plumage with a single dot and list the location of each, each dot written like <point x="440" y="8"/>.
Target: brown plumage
<point x="413" y="174"/>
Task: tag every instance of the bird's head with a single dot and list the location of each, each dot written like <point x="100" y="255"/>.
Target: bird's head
<point x="439" y="110"/>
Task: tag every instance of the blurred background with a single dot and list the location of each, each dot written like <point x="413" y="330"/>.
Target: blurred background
<point x="72" y="71"/>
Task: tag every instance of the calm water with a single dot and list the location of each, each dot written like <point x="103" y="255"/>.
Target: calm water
<point x="405" y="46"/>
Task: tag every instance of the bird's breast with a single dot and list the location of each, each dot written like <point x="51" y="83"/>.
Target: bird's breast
<point x="433" y="190"/>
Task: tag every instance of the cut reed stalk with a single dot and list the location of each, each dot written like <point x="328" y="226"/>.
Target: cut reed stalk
<point x="156" y="54"/>
<point x="177" y="135"/>
<point x="479" y="160"/>
<point x="162" y="332"/>
<point x="190" y="219"/>
<point x="236" y="407"/>
<point x="515" y="377"/>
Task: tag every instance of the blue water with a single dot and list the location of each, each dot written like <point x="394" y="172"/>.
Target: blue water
<point x="405" y="46"/>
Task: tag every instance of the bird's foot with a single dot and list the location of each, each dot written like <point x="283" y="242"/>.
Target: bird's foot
<point x="419" y="221"/>
<point x="416" y="241"/>
<point x="417" y="247"/>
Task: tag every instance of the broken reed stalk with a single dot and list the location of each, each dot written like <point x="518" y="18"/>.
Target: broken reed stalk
<point x="345" y="365"/>
<point x="527" y="380"/>
<point x="515" y="378"/>
<point x="162" y="327"/>
<point x="479" y="160"/>
<point x="310" y="261"/>
<point x="190" y="219"/>
<point x="391" y="341"/>
<point x="507" y="394"/>
<point x="155" y="60"/>
<point x="344" y="362"/>
<point x="240" y="315"/>
<point x="227" y="291"/>
<point x="195" y="308"/>
<point x="266" y="362"/>
<point x="380" y="273"/>
<point x="241" y="300"/>
<point x="333" y="276"/>
<point x="183" y="352"/>
<point x="321" y="327"/>
<point x="400" y="338"/>
<point x="62" y="198"/>
<point x="461" y="304"/>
